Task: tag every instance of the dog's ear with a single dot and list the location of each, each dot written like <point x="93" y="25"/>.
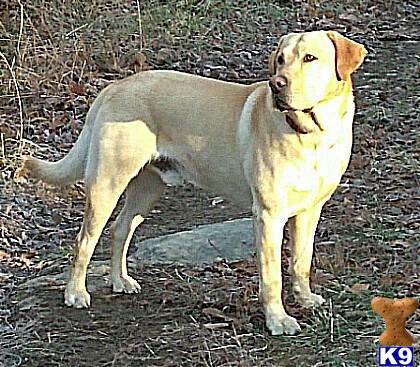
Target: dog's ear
<point x="272" y="62"/>
<point x="349" y="55"/>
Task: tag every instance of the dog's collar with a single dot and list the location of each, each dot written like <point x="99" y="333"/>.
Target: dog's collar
<point x="302" y="121"/>
<point x="294" y="124"/>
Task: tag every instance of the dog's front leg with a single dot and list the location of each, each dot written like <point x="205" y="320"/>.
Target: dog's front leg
<point x="302" y="232"/>
<point x="269" y="226"/>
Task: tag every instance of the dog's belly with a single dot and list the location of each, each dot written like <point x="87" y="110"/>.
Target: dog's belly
<point x="232" y="187"/>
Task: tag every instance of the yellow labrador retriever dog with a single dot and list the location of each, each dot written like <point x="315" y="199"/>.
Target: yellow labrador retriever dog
<point x="280" y="146"/>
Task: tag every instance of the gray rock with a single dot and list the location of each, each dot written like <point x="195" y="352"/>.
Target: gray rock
<point x="231" y="240"/>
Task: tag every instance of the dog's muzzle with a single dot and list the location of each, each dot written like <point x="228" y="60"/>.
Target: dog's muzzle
<point x="279" y="103"/>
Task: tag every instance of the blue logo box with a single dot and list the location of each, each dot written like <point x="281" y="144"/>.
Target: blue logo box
<point x="396" y="356"/>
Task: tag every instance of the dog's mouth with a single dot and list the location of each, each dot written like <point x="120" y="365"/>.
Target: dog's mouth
<point x="283" y="106"/>
<point x="278" y="102"/>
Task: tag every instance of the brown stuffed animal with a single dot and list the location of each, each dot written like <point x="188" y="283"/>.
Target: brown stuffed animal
<point x="395" y="314"/>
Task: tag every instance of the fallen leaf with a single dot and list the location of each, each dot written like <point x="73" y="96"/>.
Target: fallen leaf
<point x="4" y="255"/>
<point x="214" y="312"/>
<point x="78" y="89"/>
<point x="359" y="288"/>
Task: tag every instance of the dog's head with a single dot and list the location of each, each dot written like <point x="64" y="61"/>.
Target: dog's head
<point x="307" y="68"/>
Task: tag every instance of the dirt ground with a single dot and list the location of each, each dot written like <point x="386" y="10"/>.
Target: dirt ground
<point x="56" y="56"/>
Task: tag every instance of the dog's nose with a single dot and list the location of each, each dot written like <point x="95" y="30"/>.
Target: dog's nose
<point x="279" y="81"/>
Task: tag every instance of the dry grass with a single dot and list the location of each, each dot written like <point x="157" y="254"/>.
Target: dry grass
<point x="55" y="56"/>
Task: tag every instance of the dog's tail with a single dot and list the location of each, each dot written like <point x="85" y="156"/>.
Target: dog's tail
<point x="65" y="171"/>
<point x="72" y="167"/>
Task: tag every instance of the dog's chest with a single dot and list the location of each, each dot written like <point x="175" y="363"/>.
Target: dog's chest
<point x="323" y="166"/>
<point x="310" y="174"/>
<point x="330" y="164"/>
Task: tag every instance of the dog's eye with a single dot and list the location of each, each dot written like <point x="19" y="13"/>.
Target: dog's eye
<point x="309" y="58"/>
<point x="280" y="60"/>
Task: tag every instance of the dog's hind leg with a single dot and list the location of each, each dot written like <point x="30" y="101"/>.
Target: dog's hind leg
<point x="142" y="193"/>
<point x="117" y="153"/>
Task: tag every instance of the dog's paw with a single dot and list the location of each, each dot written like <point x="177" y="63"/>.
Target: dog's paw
<point x="310" y="300"/>
<point x="77" y="298"/>
<point x="282" y="325"/>
<point x="125" y="285"/>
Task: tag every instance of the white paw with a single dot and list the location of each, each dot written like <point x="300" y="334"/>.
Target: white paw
<point x="309" y="300"/>
<point x="279" y="325"/>
<point x="79" y="298"/>
<point x="125" y="285"/>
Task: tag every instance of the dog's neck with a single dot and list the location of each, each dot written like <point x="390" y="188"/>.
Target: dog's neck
<point x="302" y="122"/>
<point x="316" y="120"/>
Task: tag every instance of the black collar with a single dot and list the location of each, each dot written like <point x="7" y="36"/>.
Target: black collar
<point x="300" y="129"/>
<point x="294" y="122"/>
